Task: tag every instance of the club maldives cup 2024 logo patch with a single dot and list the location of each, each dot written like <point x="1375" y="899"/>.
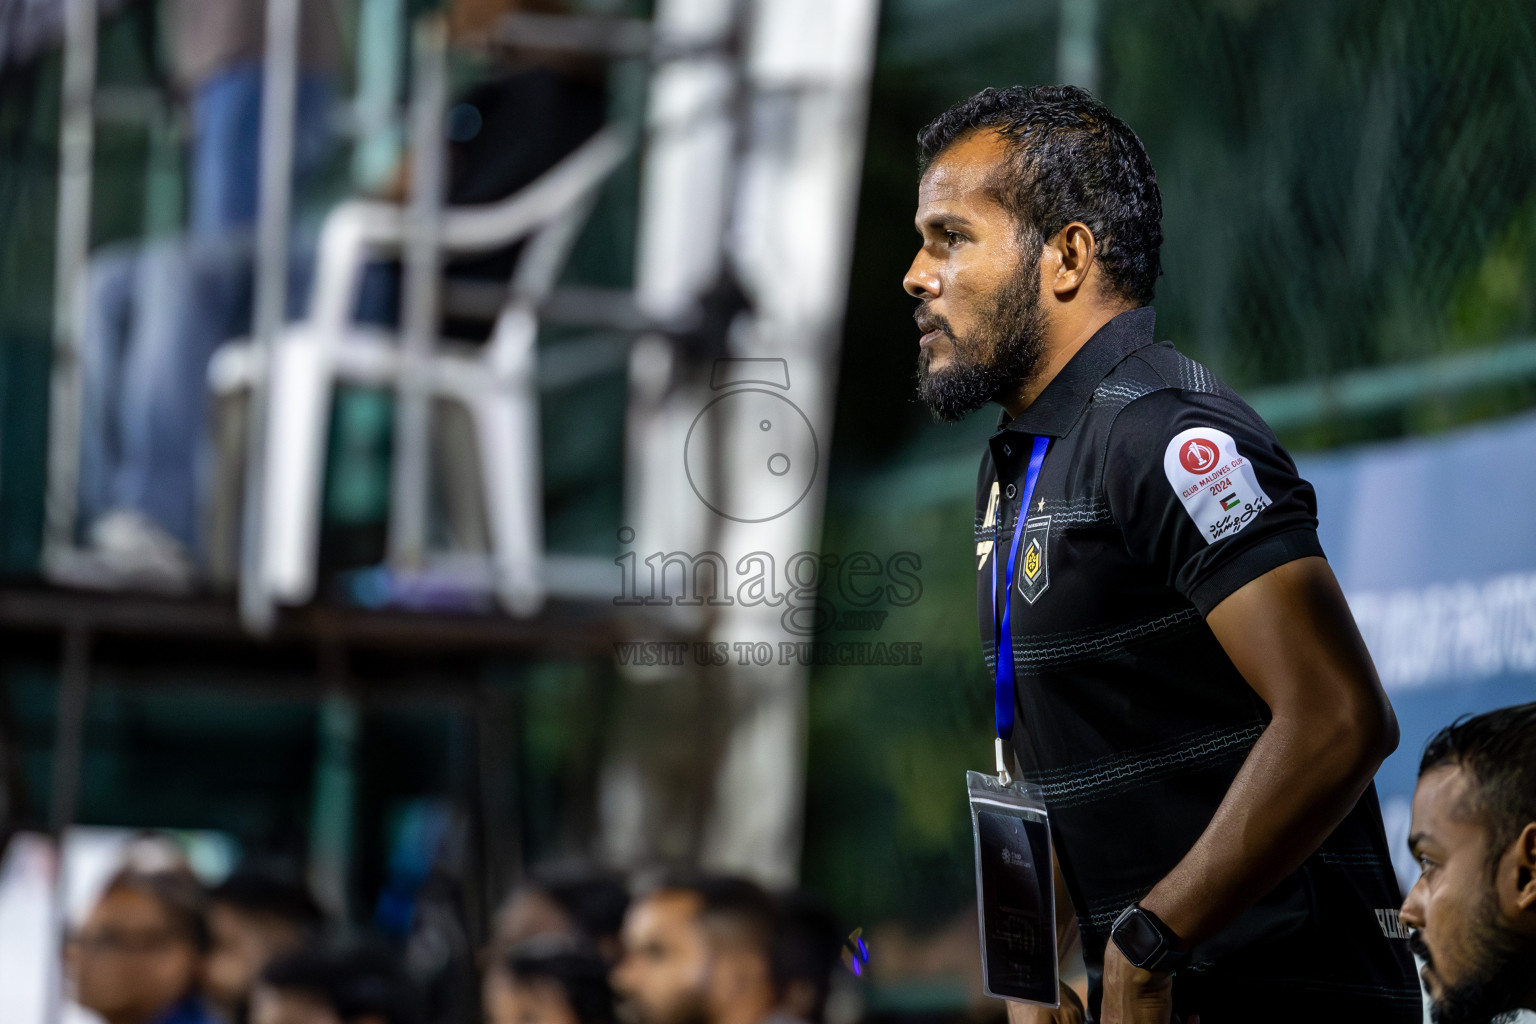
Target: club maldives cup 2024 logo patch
<point x="1215" y="483"/>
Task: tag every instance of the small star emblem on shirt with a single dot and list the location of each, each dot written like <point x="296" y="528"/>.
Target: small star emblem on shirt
<point x="1040" y="507"/>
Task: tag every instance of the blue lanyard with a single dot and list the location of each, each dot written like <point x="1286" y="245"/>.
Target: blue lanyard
<point x="1001" y="631"/>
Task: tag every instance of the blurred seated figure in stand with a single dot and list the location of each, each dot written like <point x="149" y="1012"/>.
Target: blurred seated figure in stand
<point x="541" y="986"/>
<point x="254" y="918"/>
<point x="137" y="958"/>
<point x="344" y="984"/>
<point x="699" y="951"/>
<point x="156" y="310"/>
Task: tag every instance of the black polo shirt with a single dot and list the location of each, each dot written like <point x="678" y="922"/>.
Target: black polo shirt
<point x="1162" y="492"/>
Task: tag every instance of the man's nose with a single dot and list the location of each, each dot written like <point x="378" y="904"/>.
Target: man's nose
<point x="921" y="282"/>
<point x="1412" y="911"/>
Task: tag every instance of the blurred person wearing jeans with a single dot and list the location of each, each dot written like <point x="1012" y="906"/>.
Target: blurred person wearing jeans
<point x="355" y="983"/>
<point x="157" y="309"/>
<point x="217" y="48"/>
<point x="544" y="985"/>
<point x="1472" y="913"/>
<point x="137" y="958"/>
<point x="698" y="951"/>
<point x="254" y="918"/>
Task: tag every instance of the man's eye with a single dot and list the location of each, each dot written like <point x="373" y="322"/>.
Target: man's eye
<point x="952" y="238"/>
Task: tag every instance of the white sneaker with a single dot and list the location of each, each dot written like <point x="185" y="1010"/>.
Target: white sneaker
<point x="128" y="551"/>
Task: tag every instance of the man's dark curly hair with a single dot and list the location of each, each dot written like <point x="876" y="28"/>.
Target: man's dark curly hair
<point x="1498" y="749"/>
<point x="1070" y="160"/>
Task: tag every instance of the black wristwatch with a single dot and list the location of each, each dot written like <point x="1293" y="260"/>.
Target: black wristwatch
<point x="1147" y="942"/>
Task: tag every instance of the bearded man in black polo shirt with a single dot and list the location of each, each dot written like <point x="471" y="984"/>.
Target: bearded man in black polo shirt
<point x="1192" y="695"/>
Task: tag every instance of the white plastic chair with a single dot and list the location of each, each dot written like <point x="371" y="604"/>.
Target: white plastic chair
<point x="496" y="382"/>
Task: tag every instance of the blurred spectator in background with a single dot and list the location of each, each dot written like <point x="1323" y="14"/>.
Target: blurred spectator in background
<point x="698" y="951"/>
<point x="571" y="910"/>
<point x="577" y="904"/>
<point x="137" y="958"/>
<point x="254" y="918"/>
<point x="551" y="987"/>
<point x="157" y="310"/>
<point x="345" y="984"/>
<point x="1473" y="910"/>
<point x="806" y="953"/>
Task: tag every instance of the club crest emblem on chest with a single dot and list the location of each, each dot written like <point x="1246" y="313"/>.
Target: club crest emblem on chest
<point x="1034" y="572"/>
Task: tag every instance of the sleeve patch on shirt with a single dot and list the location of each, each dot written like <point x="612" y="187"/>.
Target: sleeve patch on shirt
<point x="1213" y="480"/>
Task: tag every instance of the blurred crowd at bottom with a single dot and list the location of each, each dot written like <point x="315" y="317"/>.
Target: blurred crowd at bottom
<point x="566" y="947"/>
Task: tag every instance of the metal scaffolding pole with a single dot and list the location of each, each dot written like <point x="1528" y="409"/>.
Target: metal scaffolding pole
<point x="1077" y="44"/>
<point x="338" y="723"/>
<point x="72" y="245"/>
<point x="278" y="89"/>
<point x="74" y="684"/>
<point x="413" y="411"/>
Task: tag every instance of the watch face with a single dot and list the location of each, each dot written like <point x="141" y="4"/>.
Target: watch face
<point x="1137" y="938"/>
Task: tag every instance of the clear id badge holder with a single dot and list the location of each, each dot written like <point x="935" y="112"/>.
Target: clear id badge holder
<point x="1015" y="889"/>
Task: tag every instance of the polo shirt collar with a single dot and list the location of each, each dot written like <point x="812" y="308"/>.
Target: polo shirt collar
<point x="1065" y="397"/>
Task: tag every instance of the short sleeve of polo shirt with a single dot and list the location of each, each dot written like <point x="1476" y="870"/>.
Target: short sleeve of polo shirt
<point x="1204" y="494"/>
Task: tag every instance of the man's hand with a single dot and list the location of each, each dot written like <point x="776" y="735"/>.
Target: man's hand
<point x="1069" y="1012"/>
<point x="1132" y="995"/>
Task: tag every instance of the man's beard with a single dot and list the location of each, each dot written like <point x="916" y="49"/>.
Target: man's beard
<point x="1504" y="964"/>
<point x="992" y="362"/>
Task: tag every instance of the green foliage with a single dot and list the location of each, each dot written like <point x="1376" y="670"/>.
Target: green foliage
<point x="886" y="824"/>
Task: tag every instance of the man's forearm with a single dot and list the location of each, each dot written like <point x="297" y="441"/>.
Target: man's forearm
<point x="1301" y="778"/>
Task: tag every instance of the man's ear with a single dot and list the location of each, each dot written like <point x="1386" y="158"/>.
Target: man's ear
<point x="737" y="975"/>
<point x="1520" y="869"/>
<point x="1076" y="250"/>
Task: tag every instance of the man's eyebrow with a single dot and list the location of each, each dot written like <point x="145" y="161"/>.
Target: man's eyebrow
<point x="940" y="219"/>
<point x="1416" y="840"/>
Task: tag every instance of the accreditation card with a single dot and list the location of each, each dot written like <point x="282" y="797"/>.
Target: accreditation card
<point x="1015" y="890"/>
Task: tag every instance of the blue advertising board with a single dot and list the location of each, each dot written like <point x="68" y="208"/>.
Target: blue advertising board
<point x="1434" y="543"/>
